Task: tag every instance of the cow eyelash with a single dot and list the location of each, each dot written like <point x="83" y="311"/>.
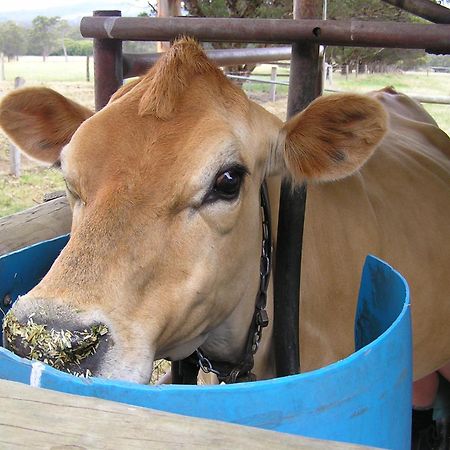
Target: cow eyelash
<point x="71" y="190"/>
<point x="227" y="184"/>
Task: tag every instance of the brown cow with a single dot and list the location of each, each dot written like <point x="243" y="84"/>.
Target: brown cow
<point x="164" y="184"/>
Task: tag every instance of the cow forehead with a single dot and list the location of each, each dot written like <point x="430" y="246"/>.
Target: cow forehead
<point x="118" y="146"/>
<point x="183" y="119"/>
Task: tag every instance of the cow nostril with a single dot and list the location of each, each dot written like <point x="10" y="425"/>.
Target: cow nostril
<point x="63" y="349"/>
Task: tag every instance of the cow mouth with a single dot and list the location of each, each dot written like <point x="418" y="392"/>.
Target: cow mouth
<point x="77" y="352"/>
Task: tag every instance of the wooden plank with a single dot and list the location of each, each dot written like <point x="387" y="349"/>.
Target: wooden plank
<point x="42" y="222"/>
<point x="39" y="418"/>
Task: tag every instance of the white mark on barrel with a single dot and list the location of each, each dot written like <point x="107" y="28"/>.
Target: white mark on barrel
<point x="36" y="373"/>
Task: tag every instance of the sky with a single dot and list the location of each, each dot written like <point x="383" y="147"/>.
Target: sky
<point x="7" y="5"/>
<point x="27" y="5"/>
<point x="26" y="10"/>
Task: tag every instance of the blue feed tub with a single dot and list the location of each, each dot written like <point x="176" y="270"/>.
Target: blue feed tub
<point x="363" y="399"/>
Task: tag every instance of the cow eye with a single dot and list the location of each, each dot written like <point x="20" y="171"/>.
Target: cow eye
<point x="228" y="184"/>
<point x="71" y="191"/>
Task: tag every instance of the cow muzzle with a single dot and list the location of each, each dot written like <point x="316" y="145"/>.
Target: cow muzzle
<point x="51" y="335"/>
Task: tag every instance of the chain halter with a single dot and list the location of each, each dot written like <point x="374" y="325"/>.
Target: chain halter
<point x="242" y="371"/>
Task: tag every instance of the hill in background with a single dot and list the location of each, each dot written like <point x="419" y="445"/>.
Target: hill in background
<point x="71" y="11"/>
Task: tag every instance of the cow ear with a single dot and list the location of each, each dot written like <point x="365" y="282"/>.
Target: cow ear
<point x="333" y="137"/>
<point x="41" y="121"/>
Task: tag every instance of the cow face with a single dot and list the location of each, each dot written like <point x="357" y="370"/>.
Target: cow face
<point x="164" y="186"/>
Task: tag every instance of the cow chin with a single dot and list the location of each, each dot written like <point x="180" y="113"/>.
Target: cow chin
<point x="81" y="343"/>
<point x="183" y="350"/>
<point x="118" y="365"/>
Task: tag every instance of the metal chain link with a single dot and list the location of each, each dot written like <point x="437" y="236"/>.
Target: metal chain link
<point x="261" y="319"/>
<point x="205" y="363"/>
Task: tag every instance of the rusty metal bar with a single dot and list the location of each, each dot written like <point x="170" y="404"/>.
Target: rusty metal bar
<point x="327" y="32"/>
<point x="137" y="64"/>
<point x="423" y="8"/>
<point x="108" y="74"/>
<point x="258" y="80"/>
<point x="302" y="91"/>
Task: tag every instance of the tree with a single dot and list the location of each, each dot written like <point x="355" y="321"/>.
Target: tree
<point x="79" y="47"/>
<point x="63" y="28"/>
<point x="44" y="34"/>
<point x="274" y="9"/>
<point x="375" y="58"/>
<point x="13" y="39"/>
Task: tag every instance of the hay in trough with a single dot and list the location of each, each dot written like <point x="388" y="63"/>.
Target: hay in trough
<point x="63" y="349"/>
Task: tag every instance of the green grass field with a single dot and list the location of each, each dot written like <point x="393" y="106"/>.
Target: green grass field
<point x="21" y="193"/>
<point x="32" y="68"/>
<point x="69" y="78"/>
<point x="420" y="83"/>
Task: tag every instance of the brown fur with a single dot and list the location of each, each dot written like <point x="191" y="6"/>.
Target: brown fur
<point x="331" y="138"/>
<point x="127" y="87"/>
<point x="168" y="80"/>
<point x="28" y="117"/>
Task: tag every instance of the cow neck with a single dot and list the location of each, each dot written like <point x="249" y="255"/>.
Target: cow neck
<point x="242" y="371"/>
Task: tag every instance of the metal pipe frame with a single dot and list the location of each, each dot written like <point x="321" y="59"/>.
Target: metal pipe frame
<point x="291" y="215"/>
<point x="137" y="64"/>
<point x="433" y="38"/>
<point x="423" y="8"/>
<point x="108" y="65"/>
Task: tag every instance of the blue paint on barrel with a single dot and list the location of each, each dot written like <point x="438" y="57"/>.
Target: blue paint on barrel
<point x="363" y="399"/>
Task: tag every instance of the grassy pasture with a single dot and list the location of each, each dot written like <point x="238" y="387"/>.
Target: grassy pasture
<point x="54" y="69"/>
<point x="421" y="83"/>
<point x="69" y="77"/>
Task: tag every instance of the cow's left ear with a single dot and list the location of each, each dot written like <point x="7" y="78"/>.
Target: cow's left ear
<point x="333" y="137"/>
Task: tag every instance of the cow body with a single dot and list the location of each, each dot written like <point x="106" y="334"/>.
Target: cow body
<point x="166" y="239"/>
<point x="395" y="207"/>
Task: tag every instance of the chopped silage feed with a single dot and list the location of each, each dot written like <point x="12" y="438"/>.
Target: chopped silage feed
<point x="63" y="349"/>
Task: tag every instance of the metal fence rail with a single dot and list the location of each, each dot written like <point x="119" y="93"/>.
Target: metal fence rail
<point x="137" y="64"/>
<point x="327" y="32"/>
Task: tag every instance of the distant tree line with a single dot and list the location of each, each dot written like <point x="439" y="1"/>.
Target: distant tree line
<point x="45" y="36"/>
<point x="52" y="36"/>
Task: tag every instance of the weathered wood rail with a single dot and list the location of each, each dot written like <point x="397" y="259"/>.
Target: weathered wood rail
<point x="33" y="418"/>
<point x="42" y="222"/>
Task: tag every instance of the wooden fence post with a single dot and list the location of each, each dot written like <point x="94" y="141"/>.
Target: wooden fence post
<point x="167" y="8"/>
<point x="88" y="73"/>
<point x="14" y="152"/>
<point x="273" y="87"/>
<point x="346" y="72"/>
<point x="2" y="63"/>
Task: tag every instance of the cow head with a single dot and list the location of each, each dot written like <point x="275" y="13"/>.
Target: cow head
<point x="164" y="186"/>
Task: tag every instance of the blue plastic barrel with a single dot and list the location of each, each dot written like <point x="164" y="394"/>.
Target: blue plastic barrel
<point x="363" y="399"/>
